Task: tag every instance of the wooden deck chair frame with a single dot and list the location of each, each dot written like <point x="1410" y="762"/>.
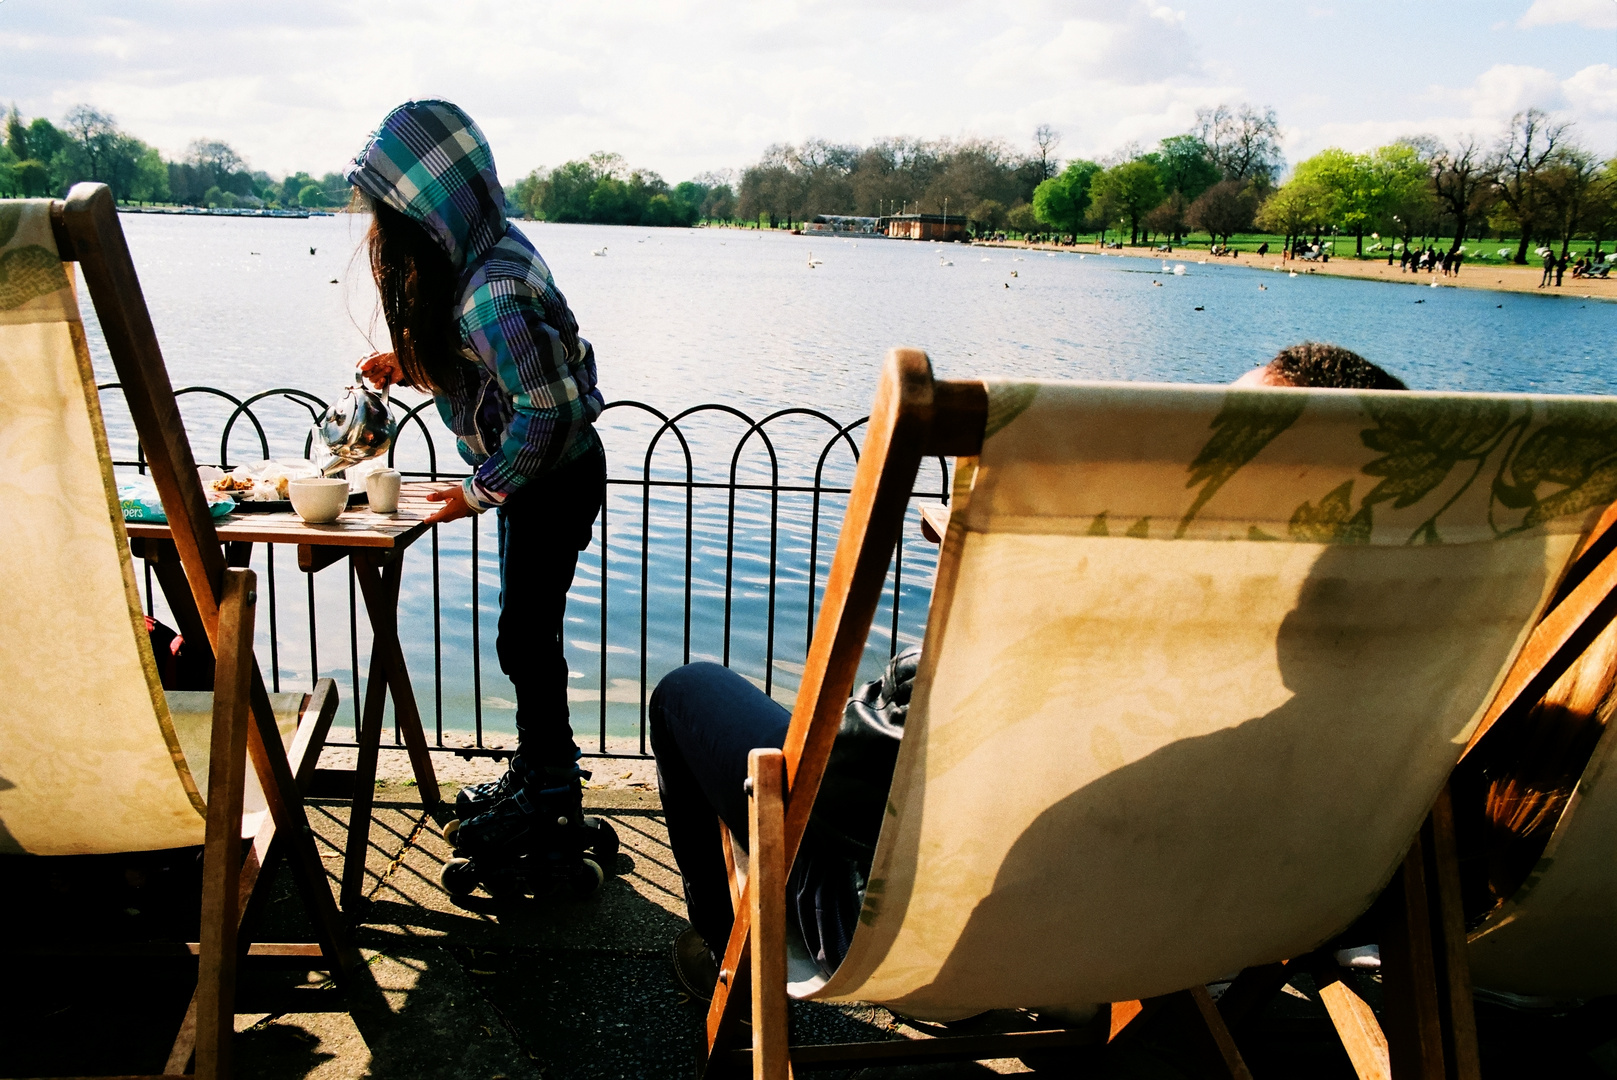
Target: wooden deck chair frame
<point x="1431" y="1025"/>
<point x="87" y="232"/>
<point x="1431" y="1030"/>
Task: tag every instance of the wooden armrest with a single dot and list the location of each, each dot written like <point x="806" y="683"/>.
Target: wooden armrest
<point x="934" y="522"/>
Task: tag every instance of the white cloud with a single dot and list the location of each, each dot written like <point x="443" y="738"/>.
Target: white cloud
<point x="682" y="87"/>
<point x="1593" y="90"/>
<point x="676" y="86"/>
<point x="1506" y="89"/>
<point x="1594" y="14"/>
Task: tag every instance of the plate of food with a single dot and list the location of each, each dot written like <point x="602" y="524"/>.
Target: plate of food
<point x="260" y="487"/>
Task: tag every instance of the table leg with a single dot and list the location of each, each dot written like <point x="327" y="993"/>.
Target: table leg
<point x="379" y="576"/>
<point x="359" y="811"/>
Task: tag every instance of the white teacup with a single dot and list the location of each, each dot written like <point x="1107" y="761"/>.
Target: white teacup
<point x="382" y="489"/>
<point x="318" y="499"/>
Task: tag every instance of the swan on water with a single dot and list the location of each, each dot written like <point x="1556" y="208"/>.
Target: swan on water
<point x="599" y="251"/>
<point x="1179" y="269"/>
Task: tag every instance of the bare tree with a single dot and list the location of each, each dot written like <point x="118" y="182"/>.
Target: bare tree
<point x="1224" y="209"/>
<point x="1047" y="139"/>
<point x="215" y="154"/>
<point x="1527" y="148"/>
<point x="95" y="138"/>
<point x="1463" y="183"/>
<point x="1243" y="143"/>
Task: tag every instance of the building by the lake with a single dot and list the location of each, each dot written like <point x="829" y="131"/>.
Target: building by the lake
<point x="925" y="226"/>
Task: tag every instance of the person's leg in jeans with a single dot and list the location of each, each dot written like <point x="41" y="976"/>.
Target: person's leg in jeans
<point x="542" y="529"/>
<point x="704" y="720"/>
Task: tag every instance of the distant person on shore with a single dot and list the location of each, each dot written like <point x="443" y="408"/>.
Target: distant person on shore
<point x="1560" y="269"/>
<point x="704" y="719"/>
<point x="1459" y="257"/>
<point x="1549" y="269"/>
<point x="477" y="322"/>
<point x="1263" y="248"/>
<point x="1403" y="261"/>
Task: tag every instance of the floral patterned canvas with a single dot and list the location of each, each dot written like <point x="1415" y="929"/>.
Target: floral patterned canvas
<point x="1197" y="663"/>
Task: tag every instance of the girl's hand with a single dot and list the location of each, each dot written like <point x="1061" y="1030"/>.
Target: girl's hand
<point x="455" y="504"/>
<point x="382" y="369"/>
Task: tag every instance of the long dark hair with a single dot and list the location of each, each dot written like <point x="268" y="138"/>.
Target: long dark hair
<point x="417" y="284"/>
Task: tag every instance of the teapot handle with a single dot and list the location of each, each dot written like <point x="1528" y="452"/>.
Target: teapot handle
<point x="365" y="384"/>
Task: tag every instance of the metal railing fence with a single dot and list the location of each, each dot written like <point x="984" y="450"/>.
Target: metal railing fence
<point x="714" y="543"/>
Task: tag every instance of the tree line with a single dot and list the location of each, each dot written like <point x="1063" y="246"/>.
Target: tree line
<point x="1533" y="182"/>
<point x="604" y="189"/>
<point x="985" y="181"/>
<point x="39" y="158"/>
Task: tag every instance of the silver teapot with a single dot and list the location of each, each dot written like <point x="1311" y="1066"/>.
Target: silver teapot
<point x="357" y="427"/>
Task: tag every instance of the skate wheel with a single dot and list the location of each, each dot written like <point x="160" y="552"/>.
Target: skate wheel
<point x="587" y="878"/>
<point x="458" y="877"/>
<point x="604" y="843"/>
<point x="451" y="827"/>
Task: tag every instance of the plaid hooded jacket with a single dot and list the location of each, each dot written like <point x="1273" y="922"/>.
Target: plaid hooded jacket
<point x="526" y="401"/>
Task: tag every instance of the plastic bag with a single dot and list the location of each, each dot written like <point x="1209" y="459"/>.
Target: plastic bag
<point x="141" y="502"/>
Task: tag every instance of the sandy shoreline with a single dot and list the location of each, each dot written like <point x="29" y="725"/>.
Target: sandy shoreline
<point x="1499" y="278"/>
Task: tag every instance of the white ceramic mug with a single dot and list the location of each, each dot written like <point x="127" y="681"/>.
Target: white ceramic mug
<point x="382" y="489"/>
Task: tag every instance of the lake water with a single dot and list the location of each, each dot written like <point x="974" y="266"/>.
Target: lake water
<point x="680" y="318"/>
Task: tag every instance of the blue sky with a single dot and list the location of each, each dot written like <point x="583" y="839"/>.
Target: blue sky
<point x="683" y="87"/>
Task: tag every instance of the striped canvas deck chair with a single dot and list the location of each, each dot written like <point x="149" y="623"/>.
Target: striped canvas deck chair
<point x="95" y="757"/>
<point x="1197" y="667"/>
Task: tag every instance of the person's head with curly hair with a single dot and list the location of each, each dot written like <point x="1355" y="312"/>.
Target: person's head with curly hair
<point x="1313" y="364"/>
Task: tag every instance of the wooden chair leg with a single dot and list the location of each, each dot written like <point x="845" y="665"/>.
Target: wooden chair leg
<point x="221" y="860"/>
<point x="1463" y="1058"/>
<point x="766" y="821"/>
<point x="1414" y="1023"/>
<point x="1355" y="1023"/>
<point x="1212" y="1024"/>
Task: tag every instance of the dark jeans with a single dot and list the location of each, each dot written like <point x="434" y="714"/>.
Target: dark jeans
<point x="543" y="527"/>
<point x="704" y="721"/>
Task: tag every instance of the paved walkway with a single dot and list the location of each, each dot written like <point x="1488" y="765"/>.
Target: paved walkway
<point x="490" y="990"/>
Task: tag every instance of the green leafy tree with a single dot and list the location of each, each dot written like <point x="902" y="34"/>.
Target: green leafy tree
<point x="1021" y="218"/>
<point x="33" y="178"/>
<point x="1062" y="201"/>
<point x="1355" y="188"/>
<point x="568" y="196"/>
<point x="150" y="180"/>
<point x="311" y="197"/>
<point x="1184" y="165"/>
<point x="17" y="135"/>
<point x="1295" y="209"/>
<point x="1126" y="193"/>
<point x="8" y="173"/>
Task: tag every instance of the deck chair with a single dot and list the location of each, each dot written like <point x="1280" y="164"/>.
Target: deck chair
<point x="1197" y="666"/>
<point x="1556" y="936"/>
<point x="95" y="757"/>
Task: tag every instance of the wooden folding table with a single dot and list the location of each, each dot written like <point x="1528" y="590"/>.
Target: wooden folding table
<point x="375" y="544"/>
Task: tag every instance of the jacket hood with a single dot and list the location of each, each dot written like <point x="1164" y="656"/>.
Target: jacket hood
<point x="429" y="161"/>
